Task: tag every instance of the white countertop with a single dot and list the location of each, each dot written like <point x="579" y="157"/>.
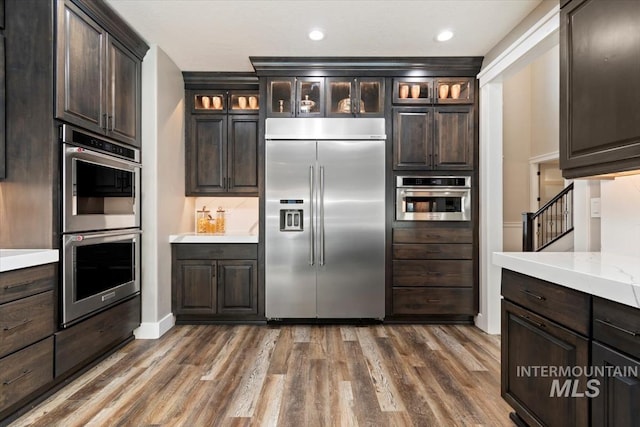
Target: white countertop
<point x="14" y="259"/>
<point x="609" y="276"/>
<point x="229" y="237"/>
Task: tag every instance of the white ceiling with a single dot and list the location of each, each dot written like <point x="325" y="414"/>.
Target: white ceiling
<point x="220" y="35"/>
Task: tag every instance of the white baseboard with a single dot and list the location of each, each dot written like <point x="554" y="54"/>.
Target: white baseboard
<point x="154" y="330"/>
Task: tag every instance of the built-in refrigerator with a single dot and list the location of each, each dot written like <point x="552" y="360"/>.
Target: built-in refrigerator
<point x="325" y="218"/>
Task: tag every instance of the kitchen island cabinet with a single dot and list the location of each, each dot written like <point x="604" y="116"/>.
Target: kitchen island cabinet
<point x="215" y="282"/>
<point x="564" y="310"/>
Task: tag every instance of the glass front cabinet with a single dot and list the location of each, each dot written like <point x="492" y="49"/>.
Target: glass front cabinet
<point x="355" y="96"/>
<point x="325" y="97"/>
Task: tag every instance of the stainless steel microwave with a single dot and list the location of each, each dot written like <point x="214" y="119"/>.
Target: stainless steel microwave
<point x="433" y="198"/>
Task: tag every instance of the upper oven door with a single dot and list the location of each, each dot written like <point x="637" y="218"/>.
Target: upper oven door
<point x="441" y="204"/>
<point x="100" y="192"/>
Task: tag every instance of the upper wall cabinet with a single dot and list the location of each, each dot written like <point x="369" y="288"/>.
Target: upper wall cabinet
<point x="98" y="78"/>
<point x="222" y="134"/>
<point x="599" y="87"/>
<point x="325" y="97"/>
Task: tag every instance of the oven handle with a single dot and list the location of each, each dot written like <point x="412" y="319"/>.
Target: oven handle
<point x="73" y="238"/>
<point x="85" y="153"/>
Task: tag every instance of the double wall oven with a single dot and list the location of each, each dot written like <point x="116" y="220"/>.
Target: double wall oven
<point x="100" y="223"/>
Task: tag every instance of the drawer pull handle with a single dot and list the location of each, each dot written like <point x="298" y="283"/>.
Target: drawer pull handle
<point x="24" y="322"/>
<point x="530" y="320"/>
<point x="24" y="374"/>
<point x="621" y="329"/>
<point x="16" y="285"/>
<point x="531" y="294"/>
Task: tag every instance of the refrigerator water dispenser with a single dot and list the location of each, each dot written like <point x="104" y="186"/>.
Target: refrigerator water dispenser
<point x="291" y="220"/>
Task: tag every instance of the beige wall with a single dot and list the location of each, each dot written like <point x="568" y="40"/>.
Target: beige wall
<point x="545" y="103"/>
<point x="620" y="216"/>
<point x="516" y="145"/>
<point x="165" y="210"/>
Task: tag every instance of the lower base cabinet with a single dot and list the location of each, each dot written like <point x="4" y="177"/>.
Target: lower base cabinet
<point x="618" y="400"/>
<point x="25" y="372"/>
<point x="215" y="282"/>
<point x="616" y="352"/>
<point x="530" y="341"/>
<point x="547" y="327"/>
<point x="80" y="344"/>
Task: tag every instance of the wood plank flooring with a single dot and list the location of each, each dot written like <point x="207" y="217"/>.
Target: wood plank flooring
<point x="209" y="375"/>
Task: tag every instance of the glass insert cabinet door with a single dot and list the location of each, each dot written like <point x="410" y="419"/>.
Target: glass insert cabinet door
<point x="310" y="96"/>
<point x="280" y="99"/>
<point x="355" y="96"/>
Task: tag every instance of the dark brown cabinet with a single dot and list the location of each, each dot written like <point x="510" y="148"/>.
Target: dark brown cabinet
<point x="433" y="272"/>
<point x="616" y="346"/>
<point x="222" y="155"/>
<point x="83" y="343"/>
<point x="617" y="402"/>
<point x="3" y="135"/>
<point x="237" y="287"/>
<point x="98" y="78"/>
<point x="544" y="325"/>
<point x="599" y="87"/>
<point x="359" y="97"/>
<point x="222" y="134"/>
<point x="433" y="138"/>
<point x="215" y="282"/>
<point x="325" y="97"/>
<point x="27" y="324"/>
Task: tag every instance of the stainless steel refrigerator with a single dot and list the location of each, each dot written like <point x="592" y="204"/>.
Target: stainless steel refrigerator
<point x="325" y="218"/>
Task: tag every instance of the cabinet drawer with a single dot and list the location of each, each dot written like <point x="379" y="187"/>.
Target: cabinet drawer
<point x="458" y="273"/>
<point x="216" y="251"/>
<point x="617" y="325"/>
<point x="432" y="251"/>
<point x="432" y="235"/>
<point x="21" y="283"/>
<point x="566" y="306"/>
<point x="433" y="301"/>
<point x="25" y="372"/>
<point x="89" y="339"/>
<point x="25" y="321"/>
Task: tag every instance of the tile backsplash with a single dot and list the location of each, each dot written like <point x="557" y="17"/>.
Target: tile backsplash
<point x="241" y="213"/>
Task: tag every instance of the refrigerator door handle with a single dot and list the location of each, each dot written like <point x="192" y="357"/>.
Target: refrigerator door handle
<point x="321" y="225"/>
<point x="312" y="254"/>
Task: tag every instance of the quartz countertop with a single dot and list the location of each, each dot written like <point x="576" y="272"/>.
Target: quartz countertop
<point x="14" y="259"/>
<point x="609" y="276"/>
<point x="229" y="237"/>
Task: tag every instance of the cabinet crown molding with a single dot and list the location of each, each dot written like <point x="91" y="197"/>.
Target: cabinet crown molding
<point x="219" y="80"/>
<point x="114" y="24"/>
<point x="453" y="66"/>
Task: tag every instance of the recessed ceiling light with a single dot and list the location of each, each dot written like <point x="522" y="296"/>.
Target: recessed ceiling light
<point x="316" y="35"/>
<point x="445" y="35"/>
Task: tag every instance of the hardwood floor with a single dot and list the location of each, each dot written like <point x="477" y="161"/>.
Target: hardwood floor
<point x="205" y="375"/>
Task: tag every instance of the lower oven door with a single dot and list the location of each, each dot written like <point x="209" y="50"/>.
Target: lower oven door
<point x="98" y="270"/>
<point x="441" y="204"/>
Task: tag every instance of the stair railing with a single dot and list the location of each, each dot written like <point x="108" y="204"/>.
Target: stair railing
<point x="550" y="223"/>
